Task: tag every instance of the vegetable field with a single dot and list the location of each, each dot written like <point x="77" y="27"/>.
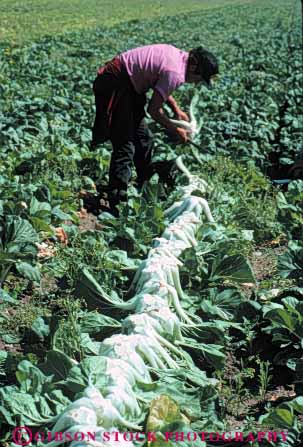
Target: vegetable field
<point x="185" y="314"/>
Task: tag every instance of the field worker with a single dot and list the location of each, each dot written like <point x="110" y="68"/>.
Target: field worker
<point x="120" y="95"/>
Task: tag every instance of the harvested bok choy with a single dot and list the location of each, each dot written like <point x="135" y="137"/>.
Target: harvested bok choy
<point x="175" y="247"/>
<point x="123" y="398"/>
<point x="189" y="204"/>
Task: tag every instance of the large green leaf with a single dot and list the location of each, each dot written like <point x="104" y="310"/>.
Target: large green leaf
<point x="57" y="364"/>
<point x="96" y="323"/>
<point x="120" y="257"/>
<point x="41" y="225"/>
<point x="17" y="243"/>
<point x="287" y="315"/>
<point x="190" y="391"/>
<point x="212" y="353"/>
<point x="41" y="328"/>
<point x="28" y="271"/>
<point x="281" y="316"/>
<point x="222" y="303"/>
<point x="89" y="346"/>
<point x="213" y="332"/>
<point x="233" y="268"/>
<point x="281" y="416"/>
<point x="290" y="264"/>
<point x="88" y="288"/>
<point x="41" y="210"/>
<point x="297" y="403"/>
<point x="17" y="231"/>
<point x="30" y="378"/>
<point x="4" y="296"/>
<point x="24" y="409"/>
<point x="89" y="371"/>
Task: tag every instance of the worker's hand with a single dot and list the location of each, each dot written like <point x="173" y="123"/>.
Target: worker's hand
<point x="182" y="115"/>
<point x="182" y="134"/>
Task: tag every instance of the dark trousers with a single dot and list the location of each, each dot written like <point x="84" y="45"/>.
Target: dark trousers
<point x="120" y="118"/>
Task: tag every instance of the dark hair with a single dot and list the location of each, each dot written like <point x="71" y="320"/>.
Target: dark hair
<point x="207" y="63"/>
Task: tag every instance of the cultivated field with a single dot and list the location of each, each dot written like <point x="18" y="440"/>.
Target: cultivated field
<point x="23" y="21"/>
<point x="220" y="345"/>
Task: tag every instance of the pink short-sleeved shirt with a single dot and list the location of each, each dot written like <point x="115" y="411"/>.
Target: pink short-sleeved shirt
<point x="161" y="67"/>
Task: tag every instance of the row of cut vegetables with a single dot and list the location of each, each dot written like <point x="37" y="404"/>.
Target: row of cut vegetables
<point x="151" y="334"/>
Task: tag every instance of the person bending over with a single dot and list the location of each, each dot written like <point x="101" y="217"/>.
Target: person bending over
<point x="120" y="97"/>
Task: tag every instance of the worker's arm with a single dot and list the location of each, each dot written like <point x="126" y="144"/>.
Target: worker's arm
<point x="172" y="104"/>
<point x="156" y="111"/>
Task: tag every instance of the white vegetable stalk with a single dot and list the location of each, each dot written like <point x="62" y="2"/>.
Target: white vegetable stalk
<point x="182" y="167"/>
<point x="173" y="298"/>
<point x="93" y="410"/>
<point x="167" y="295"/>
<point x="79" y="414"/>
<point x="162" y="321"/>
<point x="160" y="268"/>
<point x="193" y="115"/>
<point x="170" y="323"/>
<point x="190" y="218"/>
<point x="177" y="232"/>
<point x="118" y="368"/>
<point x="186" y="191"/>
<point x="192" y="126"/>
<point x="151" y="272"/>
<point x="141" y="324"/>
<point x="188" y="222"/>
<point x="123" y="347"/>
<point x="145" y="273"/>
<point x="123" y="399"/>
<point x="145" y="325"/>
<point x="108" y="415"/>
<point x="145" y="346"/>
<point x="199" y="184"/>
<point x="162" y="251"/>
<point x="190" y="204"/>
<point x="175" y="247"/>
<point x="195" y="182"/>
<point x="122" y="382"/>
<point x="149" y="302"/>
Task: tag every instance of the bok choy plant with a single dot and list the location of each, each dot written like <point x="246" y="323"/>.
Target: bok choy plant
<point x="18" y="248"/>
